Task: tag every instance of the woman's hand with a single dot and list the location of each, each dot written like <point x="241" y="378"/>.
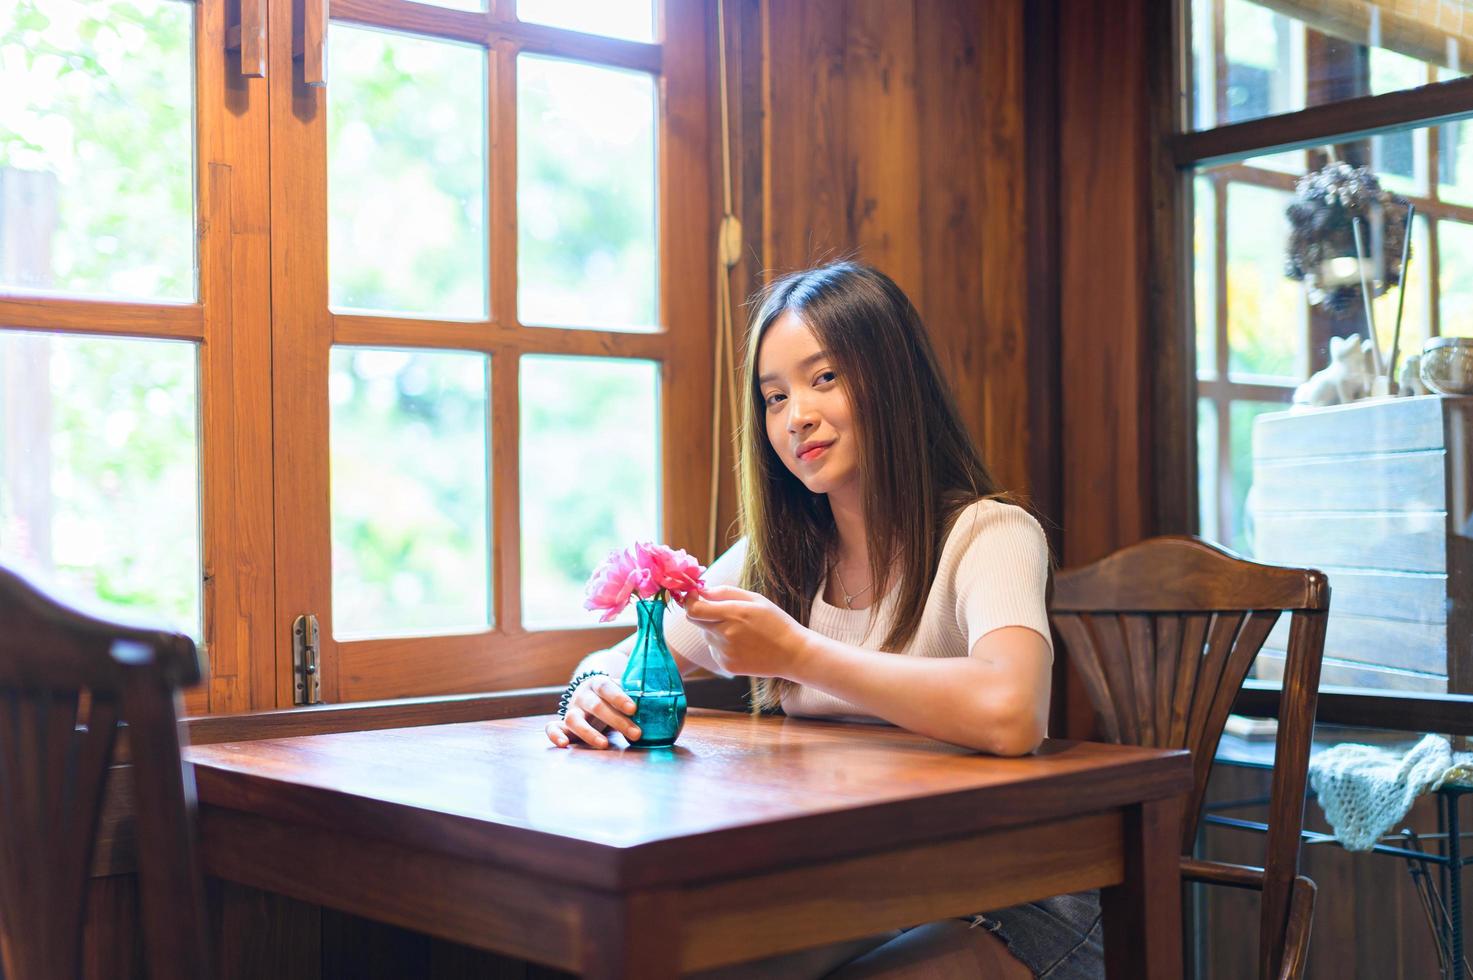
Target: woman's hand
<point x="748" y="633"/>
<point x="597" y="705"/>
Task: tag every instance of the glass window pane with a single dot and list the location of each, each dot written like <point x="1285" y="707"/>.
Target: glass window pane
<point x="586" y="240"/>
<point x="1455" y="279"/>
<point x="1204" y="286"/>
<point x="633" y="20"/>
<point x="1239" y="534"/>
<point x="1416" y="320"/>
<point x="1360" y="47"/>
<point x="1207" y="475"/>
<point x="1266" y="309"/>
<point x="1455" y="162"/>
<point x="590" y="476"/>
<point x="406" y="163"/>
<point x="1265" y="62"/>
<point x="97" y="147"/>
<point x="410" y="492"/>
<point x="99" y="471"/>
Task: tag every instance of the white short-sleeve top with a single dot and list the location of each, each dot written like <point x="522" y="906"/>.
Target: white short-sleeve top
<point x="993" y="573"/>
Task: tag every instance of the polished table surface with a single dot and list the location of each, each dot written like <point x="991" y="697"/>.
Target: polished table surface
<point x="752" y="836"/>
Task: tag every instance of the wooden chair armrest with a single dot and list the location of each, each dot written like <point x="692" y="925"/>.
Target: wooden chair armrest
<point x="1296" y="935"/>
<point x="1220" y="873"/>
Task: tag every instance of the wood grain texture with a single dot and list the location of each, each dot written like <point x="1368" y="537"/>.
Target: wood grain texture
<point x="483" y="791"/>
<point x="957" y="878"/>
<point x="235" y="366"/>
<point x="476" y="832"/>
<point x="1104" y="219"/>
<point x="431" y="893"/>
<point x="896" y="135"/>
<point x="1370" y="709"/>
<point x="1008" y="170"/>
<point x="301" y="331"/>
<point x="178" y="322"/>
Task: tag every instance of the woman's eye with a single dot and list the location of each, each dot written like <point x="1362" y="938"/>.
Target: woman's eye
<point x="774" y="398"/>
<point x="827" y="376"/>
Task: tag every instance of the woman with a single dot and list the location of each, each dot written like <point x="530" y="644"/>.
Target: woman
<point x="881" y="577"/>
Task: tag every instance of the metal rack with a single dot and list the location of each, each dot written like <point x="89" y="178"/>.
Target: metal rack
<point x="1442" y="900"/>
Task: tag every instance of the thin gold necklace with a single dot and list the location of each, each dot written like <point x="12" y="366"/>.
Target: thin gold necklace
<point x="849" y="597"/>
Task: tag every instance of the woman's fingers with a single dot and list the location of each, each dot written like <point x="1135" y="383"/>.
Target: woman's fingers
<point x="556" y="735"/>
<point x="610" y="691"/>
<point x="598" y="704"/>
<point x="595" y="706"/>
<point x="726" y="592"/>
<point x="577" y="724"/>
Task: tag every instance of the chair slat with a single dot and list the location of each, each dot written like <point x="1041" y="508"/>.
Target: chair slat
<point x="1110" y="640"/>
<point x="1168" y="660"/>
<point x="1189" y="660"/>
<point x="1084" y="653"/>
<point x="1140" y="644"/>
<point x="1220" y="639"/>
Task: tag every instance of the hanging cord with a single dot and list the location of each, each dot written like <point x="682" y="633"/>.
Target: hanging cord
<point x="728" y="254"/>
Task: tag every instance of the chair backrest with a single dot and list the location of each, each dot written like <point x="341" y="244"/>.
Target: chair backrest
<point x="1163" y="634"/>
<point x="66" y="681"/>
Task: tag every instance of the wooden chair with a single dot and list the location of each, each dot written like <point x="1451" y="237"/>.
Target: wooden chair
<point x="66" y="680"/>
<point x="1163" y="634"/>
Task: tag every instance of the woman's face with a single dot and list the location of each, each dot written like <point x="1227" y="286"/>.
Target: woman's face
<point x="810" y="422"/>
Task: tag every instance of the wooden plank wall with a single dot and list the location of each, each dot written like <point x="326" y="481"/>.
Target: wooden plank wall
<point x="893" y="133"/>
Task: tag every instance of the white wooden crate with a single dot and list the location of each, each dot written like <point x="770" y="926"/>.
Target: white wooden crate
<point x="1377" y="495"/>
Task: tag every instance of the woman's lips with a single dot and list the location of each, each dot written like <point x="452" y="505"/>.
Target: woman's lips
<point x="813" y="452"/>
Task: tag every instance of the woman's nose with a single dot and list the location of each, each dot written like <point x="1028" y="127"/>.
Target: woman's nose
<point x="801" y="415"/>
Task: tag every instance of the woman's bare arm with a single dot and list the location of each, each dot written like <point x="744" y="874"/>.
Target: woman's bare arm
<point x="995" y="700"/>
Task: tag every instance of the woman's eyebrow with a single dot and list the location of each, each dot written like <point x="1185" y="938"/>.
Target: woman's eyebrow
<point x="808" y="361"/>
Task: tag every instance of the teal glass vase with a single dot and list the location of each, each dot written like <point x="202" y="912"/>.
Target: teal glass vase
<point x="652" y="681"/>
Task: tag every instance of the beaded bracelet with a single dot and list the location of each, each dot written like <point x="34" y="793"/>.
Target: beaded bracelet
<point x="562" y="703"/>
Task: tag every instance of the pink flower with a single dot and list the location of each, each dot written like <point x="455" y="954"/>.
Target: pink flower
<point x="645" y="570"/>
<point x="671" y="569"/>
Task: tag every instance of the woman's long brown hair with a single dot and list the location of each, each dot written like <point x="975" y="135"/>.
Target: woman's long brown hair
<point x="917" y="464"/>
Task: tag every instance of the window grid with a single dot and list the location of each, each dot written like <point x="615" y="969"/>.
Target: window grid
<point x="1220" y="387"/>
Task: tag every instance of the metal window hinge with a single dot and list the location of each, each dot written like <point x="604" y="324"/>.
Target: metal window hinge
<point x="305" y="666"/>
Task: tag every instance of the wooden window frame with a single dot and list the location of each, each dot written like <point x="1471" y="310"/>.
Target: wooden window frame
<point x="1176" y="154"/>
<point x="228" y="322"/>
<point x="1221" y="387"/>
<point x="263" y="432"/>
<point x="304" y="330"/>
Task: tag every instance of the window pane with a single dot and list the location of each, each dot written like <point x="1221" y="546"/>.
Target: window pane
<point x="1205" y="280"/>
<point x="590" y="476"/>
<point x="410" y="492"/>
<point x="633" y="20"/>
<point x="586" y="253"/>
<point x="99" y="471"/>
<point x="1455" y="162"/>
<point x="406" y="162"/>
<point x="1239" y="533"/>
<point x="1265" y="62"/>
<point x="1207" y="469"/>
<point x="1416" y="321"/>
<point x="97" y="147"/>
<point x="1265" y="308"/>
<point x="1360" y="47"/>
<point x="1455" y="255"/>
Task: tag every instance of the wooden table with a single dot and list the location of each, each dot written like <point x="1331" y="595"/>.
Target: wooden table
<point x="751" y="837"/>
